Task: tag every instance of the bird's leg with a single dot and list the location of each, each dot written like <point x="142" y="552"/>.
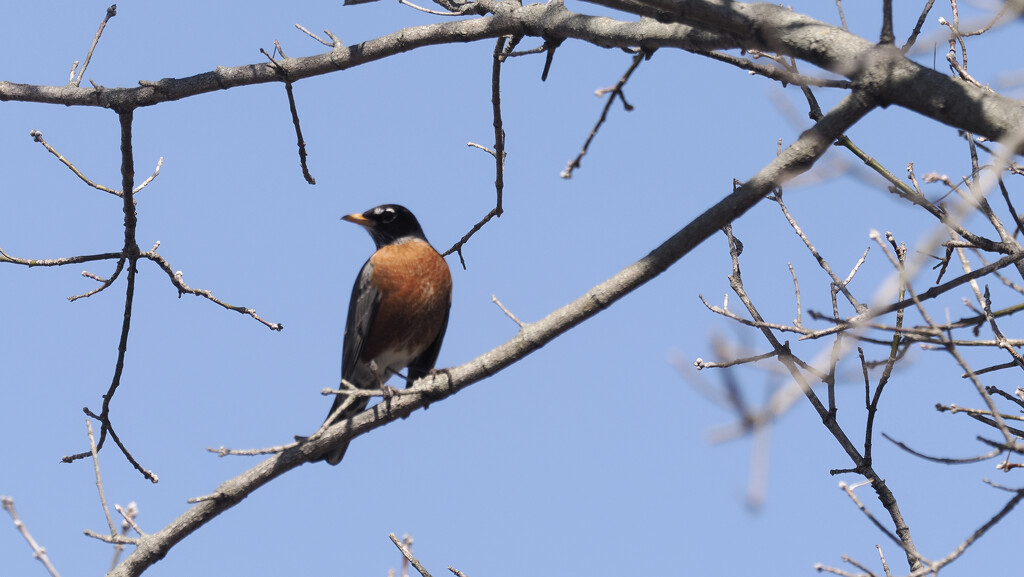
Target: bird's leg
<point x="386" y="391"/>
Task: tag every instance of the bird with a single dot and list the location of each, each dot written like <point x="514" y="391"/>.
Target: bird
<point x="398" y="312"/>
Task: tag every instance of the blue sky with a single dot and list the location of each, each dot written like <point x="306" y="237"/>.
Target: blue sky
<point x="590" y="457"/>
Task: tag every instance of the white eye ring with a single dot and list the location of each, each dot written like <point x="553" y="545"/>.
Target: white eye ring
<point x="387" y="215"/>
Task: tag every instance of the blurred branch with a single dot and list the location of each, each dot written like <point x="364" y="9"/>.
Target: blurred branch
<point x="407" y="553"/>
<point x="37" y="551"/>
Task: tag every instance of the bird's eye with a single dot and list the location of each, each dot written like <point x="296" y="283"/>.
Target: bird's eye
<point x="387" y="215"/>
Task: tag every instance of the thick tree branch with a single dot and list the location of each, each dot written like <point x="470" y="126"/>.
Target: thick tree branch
<point x="552" y="20"/>
<point x="881" y="70"/>
<point x="701" y="25"/>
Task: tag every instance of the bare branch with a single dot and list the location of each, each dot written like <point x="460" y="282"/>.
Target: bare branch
<point x="501" y="51"/>
<point x="730" y="25"/>
<point x="773" y="72"/>
<point x="99" y="480"/>
<point x="494" y="299"/>
<point x="104" y="282"/>
<point x="37" y="551"/>
<point x="38" y="137"/>
<point x="156" y="173"/>
<point x="111" y="12"/>
<point x="176" y="280"/>
<point x="463" y="9"/>
<point x="849" y="490"/>
<point x="943" y="460"/>
<point x="409" y="556"/>
<point x="616" y="92"/>
<point x="4" y="257"/>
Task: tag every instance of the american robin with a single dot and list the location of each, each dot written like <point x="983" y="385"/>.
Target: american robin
<point x="398" y="311"/>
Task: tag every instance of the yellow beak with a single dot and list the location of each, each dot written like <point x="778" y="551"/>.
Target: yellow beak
<point x="358" y="219"/>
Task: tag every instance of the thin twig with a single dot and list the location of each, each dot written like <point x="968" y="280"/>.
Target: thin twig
<point x="112" y="539"/>
<point x="224" y="451"/>
<point x="774" y="72"/>
<point x="31" y="262"/>
<point x="858" y="565"/>
<point x="849" y="490"/>
<point x="111" y="12"/>
<point x="917" y="27"/>
<point x="38" y="137"/>
<point x="463" y="9"/>
<point x="999" y="15"/>
<point x="494" y="299"/>
<point x="408" y="555"/>
<point x="616" y="92"/>
<point x="156" y="173"/>
<point x="500" y="49"/>
<point x="335" y="44"/>
<point x="37" y="551"/>
<point x="842" y="15"/>
<point x="298" y="133"/>
<point x="797" y="320"/>
<point x="129" y="514"/>
<point x="701" y="364"/>
<point x="108" y="428"/>
<point x="301" y="143"/>
<point x="176" y="280"/>
<point x="836" y="281"/>
<point x="538" y="50"/>
<point x="933" y="569"/>
<point x="881" y="557"/>
<point x="943" y="460"/>
<point x="99" y="480"/>
<point x="997" y="391"/>
<point x="104" y="282"/>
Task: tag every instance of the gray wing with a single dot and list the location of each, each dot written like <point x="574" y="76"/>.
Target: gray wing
<point x="362" y="309"/>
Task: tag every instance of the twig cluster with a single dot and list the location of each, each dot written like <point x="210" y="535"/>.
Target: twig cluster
<point x="855" y="323"/>
<point x="126" y="258"/>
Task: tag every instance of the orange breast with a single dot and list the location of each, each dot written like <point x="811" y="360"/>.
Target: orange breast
<point x="415" y="286"/>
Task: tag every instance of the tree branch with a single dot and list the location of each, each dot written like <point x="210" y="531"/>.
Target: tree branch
<point x="881" y="70"/>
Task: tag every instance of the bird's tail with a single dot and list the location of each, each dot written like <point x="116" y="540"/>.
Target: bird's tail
<point x="335" y="455"/>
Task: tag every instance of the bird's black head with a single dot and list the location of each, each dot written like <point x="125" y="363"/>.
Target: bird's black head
<point x="388" y="223"/>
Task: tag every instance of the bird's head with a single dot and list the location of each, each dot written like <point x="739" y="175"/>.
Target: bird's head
<point x="388" y="224"/>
